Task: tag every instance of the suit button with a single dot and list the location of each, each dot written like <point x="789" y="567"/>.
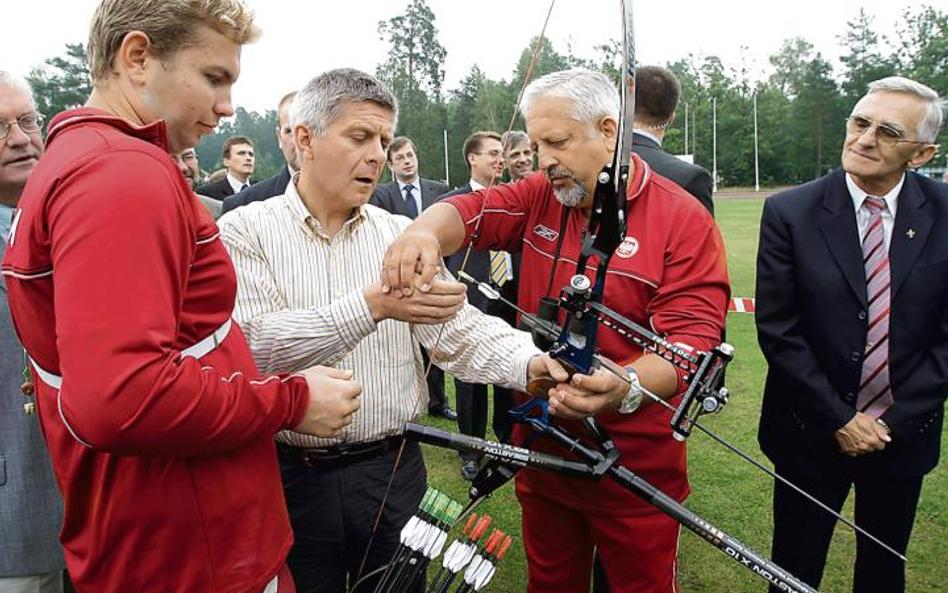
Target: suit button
<point x="850" y="396"/>
<point x="862" y="316"/>
<point x="856" y="356"/>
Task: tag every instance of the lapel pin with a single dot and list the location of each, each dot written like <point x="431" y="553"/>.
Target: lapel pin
<point x="910" y="234"/>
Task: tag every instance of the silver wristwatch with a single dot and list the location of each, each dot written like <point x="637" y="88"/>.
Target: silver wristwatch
<point x="633" y="399"/>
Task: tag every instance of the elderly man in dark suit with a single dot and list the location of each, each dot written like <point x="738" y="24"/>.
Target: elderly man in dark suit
<point x="31" y="559"/>
<point x="852" y="317"/>
<point x="276" y="185"/>
<point x="409" y="195"/>
<point x="656" y="98"/>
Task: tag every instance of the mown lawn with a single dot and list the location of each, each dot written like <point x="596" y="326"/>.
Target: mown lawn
<point x="726" y="490"/>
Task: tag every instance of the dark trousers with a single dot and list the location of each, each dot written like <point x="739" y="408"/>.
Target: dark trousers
<point x="802" y="531"/>
<point x="437" y="402"/>
<point x="333" y="509"/>
<point x="472" y="411"/>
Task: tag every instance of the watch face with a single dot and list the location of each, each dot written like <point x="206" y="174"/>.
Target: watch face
<point x="631" y="403"/>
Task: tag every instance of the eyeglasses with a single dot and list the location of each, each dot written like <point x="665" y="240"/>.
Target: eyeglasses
<point x="494" y="154"/>
<point x="886" y="134"/>
<point x="30" y="123"/>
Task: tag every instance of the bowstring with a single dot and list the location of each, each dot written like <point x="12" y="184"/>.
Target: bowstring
<point x="467" y="254"/>
<point x="513" y="119"/>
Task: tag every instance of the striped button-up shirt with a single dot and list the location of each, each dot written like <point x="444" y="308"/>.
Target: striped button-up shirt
<point x="300" y="302"/>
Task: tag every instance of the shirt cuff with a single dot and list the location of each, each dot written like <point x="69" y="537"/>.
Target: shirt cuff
<point x="353" y="319"/>
<point x="521" y="367"/>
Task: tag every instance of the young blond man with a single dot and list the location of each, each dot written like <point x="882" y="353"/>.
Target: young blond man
<point x="159" y="430"/>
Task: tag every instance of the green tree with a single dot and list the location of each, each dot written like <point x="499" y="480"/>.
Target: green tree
<point x="819" y="114"/>
<point x="415" y="57"/>
<point x="789" y="65"/>
<point x="814" y="131"/>
<point x="414" y="71"/>
<point x="863" y="61"/>
<point x="63" y="82"/>
<point x="923" y="35"/>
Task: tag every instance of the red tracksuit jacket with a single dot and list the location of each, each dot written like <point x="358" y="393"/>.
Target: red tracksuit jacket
<point x="669" y="274"/>
<point x="166" y="463"/>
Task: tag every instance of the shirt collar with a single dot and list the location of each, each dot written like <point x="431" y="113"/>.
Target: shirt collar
<point x="641" y="177"/>
<point x="415" y="184"/>
<point x="647" y="135"/>
<point x="859" y="196"/>
<point x="156" y="132"/>
<point x="236" y="184"/>
<point x="302" y="214"/>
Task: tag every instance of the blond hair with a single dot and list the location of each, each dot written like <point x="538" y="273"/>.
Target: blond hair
<point x="171" y="25"/>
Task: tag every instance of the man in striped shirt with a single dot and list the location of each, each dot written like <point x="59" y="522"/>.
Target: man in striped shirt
<point x="307" y="265"/>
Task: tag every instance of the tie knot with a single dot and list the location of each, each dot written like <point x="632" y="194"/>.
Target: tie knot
<point x="874" y="204"/>
<point x="408" y="188"/>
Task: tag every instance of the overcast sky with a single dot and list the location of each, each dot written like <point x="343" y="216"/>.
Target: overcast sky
<point x="302" y="38"/>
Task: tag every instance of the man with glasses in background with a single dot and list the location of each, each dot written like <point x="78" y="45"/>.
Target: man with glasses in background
<point x="844" y="263"/>
<point x="484" y="156"/>
<point x="31" y="509"/>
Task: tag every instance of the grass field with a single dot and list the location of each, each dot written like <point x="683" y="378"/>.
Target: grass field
<point x="726" y="490"/>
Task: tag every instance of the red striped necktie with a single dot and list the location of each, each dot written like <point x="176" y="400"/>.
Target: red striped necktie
<point x="875" y="391"/>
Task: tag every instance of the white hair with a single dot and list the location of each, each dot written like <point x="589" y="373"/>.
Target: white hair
<point x="934" y="106"/>
<point x="591" y="93"/>
<point x="320" y="102"/>
<point x="18" y="82"/>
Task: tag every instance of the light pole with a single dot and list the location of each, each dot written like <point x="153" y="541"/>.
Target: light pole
<point x="714" y="144"/>
<point x="756" y="156"/>
<point x="447" y="176"/>
<point x="686" y="128"/>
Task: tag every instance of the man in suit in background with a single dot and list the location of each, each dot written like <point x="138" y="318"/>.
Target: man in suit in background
<point x="656" y="98"/>
<point x="31" y="509"/>
<point x="403" y="162"/>
<point x="505" y="271"/>
<point x="408" y="195"/>
<point x="484" y="155"/>
<point x="276" y="185"/>
<point x="238" y="157"/>
<point x="852" y="317"/>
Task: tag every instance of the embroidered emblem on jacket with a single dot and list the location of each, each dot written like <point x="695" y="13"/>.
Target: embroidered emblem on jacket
<point x="545" y="232"/>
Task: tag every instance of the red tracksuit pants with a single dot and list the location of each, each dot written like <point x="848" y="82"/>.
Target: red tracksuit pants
<point x="638" y="552"/>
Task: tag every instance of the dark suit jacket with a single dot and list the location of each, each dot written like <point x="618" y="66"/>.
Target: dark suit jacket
<point x="31" y="508"/>
<point x="811" y="324"/>
<point x="693" y="179"/>
<point x="388" y="196"/>
<point x="218" y="190"/>
<point x="268" y="188"/>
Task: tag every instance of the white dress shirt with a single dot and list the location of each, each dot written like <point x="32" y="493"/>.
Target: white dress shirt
<point x="863" y="215"/>
<point x="236" y="184"/>
<point x="300" y="302"/>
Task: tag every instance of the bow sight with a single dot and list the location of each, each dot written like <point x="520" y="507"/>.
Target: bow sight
<point x="573" y="345"/>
